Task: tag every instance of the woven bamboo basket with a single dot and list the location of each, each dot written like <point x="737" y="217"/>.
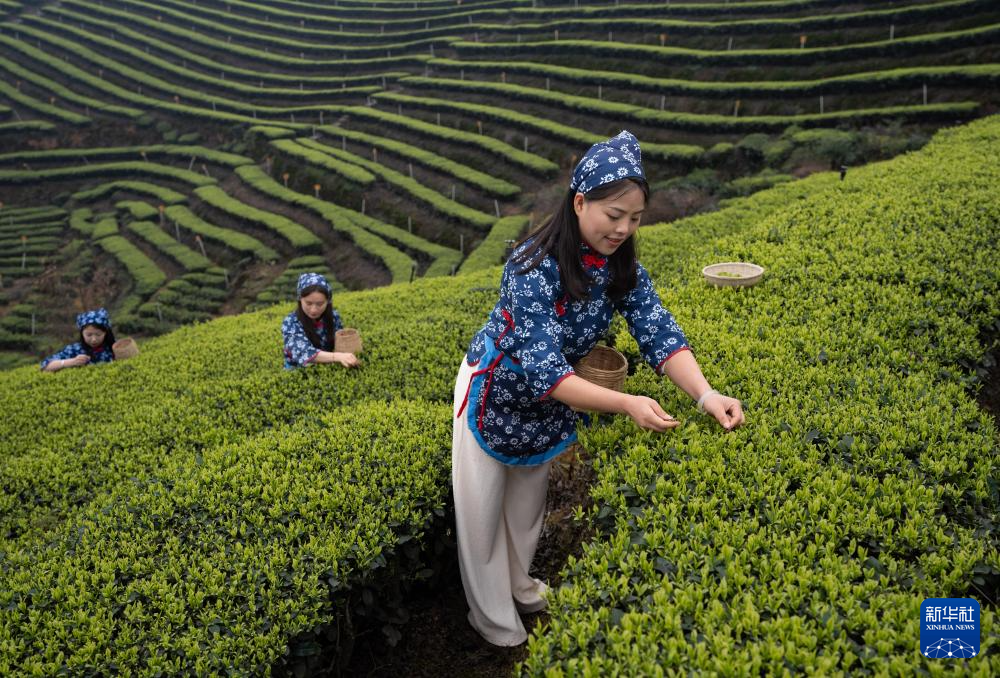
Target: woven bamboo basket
<point x="733" y="274"/>
<point x="603" y="366"/>
<point x="347" y="340"/>
<point x="125" y="348"/>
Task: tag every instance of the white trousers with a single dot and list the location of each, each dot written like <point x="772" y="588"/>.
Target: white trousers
<point x="499" y="510"/>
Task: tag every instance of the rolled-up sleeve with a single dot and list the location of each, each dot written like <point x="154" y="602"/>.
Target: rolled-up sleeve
<point x="298" y="349"/>
<point x="70" y="351"/>
<point x="538" y="336"/>
<point x="654" y="328"/>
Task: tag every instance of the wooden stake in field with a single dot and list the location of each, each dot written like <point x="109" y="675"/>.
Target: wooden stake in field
<point x="663" y="39"/>
<point x="162" y="209"/>
<point x="736" y="108"/>
<point x="821" y="107"/>
<point x="479" y="126"/>
<point x="316" y="190"/>
<point x="201" y="245"/>
<point x="802" y="42"/>
<point x="925" y="94"/>
<point x="892" y="31"/>
<point x="24" y="251"/>
<point x="284" y="177"/>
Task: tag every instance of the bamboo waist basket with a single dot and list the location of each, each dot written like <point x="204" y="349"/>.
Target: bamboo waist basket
<point x="125" y="348"/>
<point x="347" y="340"/>
<point x="603" y="366"/>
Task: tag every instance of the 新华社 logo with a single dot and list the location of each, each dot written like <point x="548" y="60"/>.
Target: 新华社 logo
<point x="949" y="628"/>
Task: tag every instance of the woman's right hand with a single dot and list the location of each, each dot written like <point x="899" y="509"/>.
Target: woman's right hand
<point x="346" y="359"/>
<point x="648" y="415"/>
<point x="79" y="360"/>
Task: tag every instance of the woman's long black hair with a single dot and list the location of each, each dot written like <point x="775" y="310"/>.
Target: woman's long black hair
<point x="109" y="338"/>
<point x="308" y="323"/>
<point x="560" y="236"/>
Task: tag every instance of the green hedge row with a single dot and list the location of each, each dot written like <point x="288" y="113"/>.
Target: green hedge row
<point x="865" y="479"/>
<point x="347" y="170"/>
<point x="490" y="251"/>
<point x="137" y="209"/>
<point x="900" y="47"/>
<point x="26" y="126"/>
<point x="171" y="70"/>
<point x="241" y="242"/>
<point x="64" y="93"/>
<point x="790" y="25"/>
<point x="147" y="275"/>
<point x="297" y="235"/>
<point x="686" y="152"/>
<point x="172" y="151"/>
<point x="244" y="52"/>
<point x="105" y="227"/>
<point x="251" y="75"/>
<point x="128" y="168"/>
<point x="703" y="122"/>
<point x="165" y="195"/>
<point x="487" y="182"/>
<point x="121" y="93"/>
<point x="401" y="183"/>
<point x="399" y="265"/>
<point x="220" y="24"/>
<point x="505" y="151"/>
<point x="187" y="406"/>
<point x="182" y="254"/>
<point x="16" y="96"/>
<point x="977" y="75"/>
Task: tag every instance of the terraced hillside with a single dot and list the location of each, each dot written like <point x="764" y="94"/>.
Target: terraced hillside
<point x="181" y="159"/>
<point x="216" y="514"/>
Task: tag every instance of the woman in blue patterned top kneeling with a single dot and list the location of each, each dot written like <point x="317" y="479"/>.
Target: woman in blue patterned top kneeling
<point x="96" y="339"/>
<point x="309" y="330"/>
<point x="516" y="389"/>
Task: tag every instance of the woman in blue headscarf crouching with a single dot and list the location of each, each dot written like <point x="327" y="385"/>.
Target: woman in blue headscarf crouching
<point x="309" y="330"/>
<point x="96" y="339"/>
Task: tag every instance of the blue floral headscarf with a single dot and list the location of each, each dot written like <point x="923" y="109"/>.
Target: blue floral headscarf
<point x="310" y="279"/>
<point x="98" y="317"/>
<point x="617" y="158"/>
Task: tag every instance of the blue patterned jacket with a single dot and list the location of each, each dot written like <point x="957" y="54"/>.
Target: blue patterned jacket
<point x="533" y="336"/>
<point x="299" y="351"/>
<point x="105" y="355"/>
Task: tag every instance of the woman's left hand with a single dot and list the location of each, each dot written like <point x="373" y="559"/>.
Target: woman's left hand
<point x="728" y="411"/>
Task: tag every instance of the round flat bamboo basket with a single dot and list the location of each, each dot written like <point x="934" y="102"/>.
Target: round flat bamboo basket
<point x="125" y="348"/>
<point x="733" y="274"/>
<point x="603" y="366"/>
<point x="347" y="340"/>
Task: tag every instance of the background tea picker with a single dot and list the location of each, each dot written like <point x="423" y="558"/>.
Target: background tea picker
<point x="94" y="346"/>
<point x="309" y="330"/>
